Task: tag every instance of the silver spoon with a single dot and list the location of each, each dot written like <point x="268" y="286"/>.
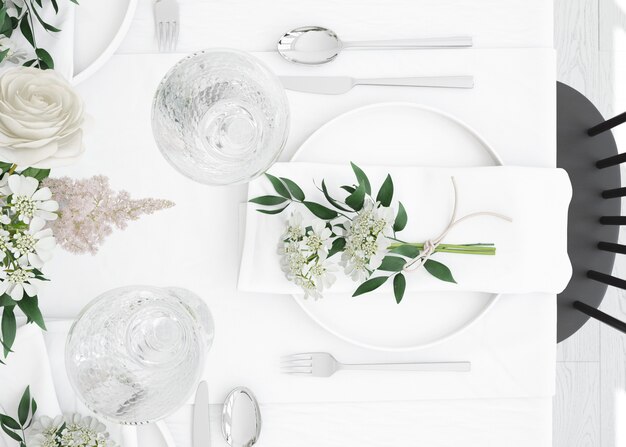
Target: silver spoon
<point x="314" y="45"/>
<point x="241" y="418"/>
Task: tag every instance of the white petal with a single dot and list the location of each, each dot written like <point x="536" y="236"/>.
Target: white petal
<point x="35" y="260"/>
<point x="15" y="182"/>
<point x="29" y="186"/>
<point x="30" y="289"/>
<point x="47" y="215"/>
<point x="3" y="287"/>
<point x="36" y="224"/>
<point x="42" y="194"/>
<point x="49" y="205"/>
<point x="17" y="292"/>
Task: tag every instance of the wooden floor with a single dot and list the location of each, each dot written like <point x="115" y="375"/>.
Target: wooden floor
<point x="590" y="405"/>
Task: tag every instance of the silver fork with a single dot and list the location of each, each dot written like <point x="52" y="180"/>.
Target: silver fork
<point x="167" y="21"/>
<point x="322" y="364"/>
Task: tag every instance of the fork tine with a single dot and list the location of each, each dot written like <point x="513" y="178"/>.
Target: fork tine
<point x="297" y="357"/>
<point x="168" y="41"/>
<point x="159" y="34"/>
<point x="297" y="364"/>
<point x="296" y="370"/>
<point x="175" y="38"/>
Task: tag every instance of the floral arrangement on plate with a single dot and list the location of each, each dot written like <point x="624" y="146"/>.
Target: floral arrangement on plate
<point x="70" y="430"/>
<point x="26" y="16"/>
<point x="41" y="127"/>
<point x="362" y="230"/>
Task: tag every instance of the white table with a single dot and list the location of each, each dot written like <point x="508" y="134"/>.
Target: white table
<point x="254" y="26"/>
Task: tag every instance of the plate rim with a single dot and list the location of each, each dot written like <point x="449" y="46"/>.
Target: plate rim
<point x="111" y="48"/>
<point x="494" y="296"/>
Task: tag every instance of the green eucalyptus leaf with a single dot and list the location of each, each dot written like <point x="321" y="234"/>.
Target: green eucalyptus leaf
<point x="45" y="57"/>
<point x="278" y="211"/>
<point x="11" y="433"/>
<point x="9" y="422"/>
<point x="362" y="178"/>
<point x="350" y="189"/>
<point x="9" y="328"/>
<point x="392" y="264"/>
<point x="39" y="174"/>
<point x="26" y="31"/>
<point x="338" y="246"/>
<point x="406" y="250"/>
<point x="45" y="25"/>
<point x="279" y="186"/>
<point x="321" y="211"/>
<point x="332" y="201"/>
<point x="33" y="407"/>
<point x="29" y="63"/>
<point x="399" y="286"/>
<point x="401" y="218"/>
<point x="30" y="306"/>
<point x="294" y="189"/>
<point x="268" y="200"/>
<point x="356" y="199"/>
<point x="370" y="284"/>
<point x="439" y="270"/>
<point x="55" y="5"/>
<point x="24" y="407"/>
<point x="385" y="194"/>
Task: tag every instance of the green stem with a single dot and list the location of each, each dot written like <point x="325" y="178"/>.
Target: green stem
<point x="467" y="249"/>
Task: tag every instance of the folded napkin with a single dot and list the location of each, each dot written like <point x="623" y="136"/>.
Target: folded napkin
<point x="60" y="45"/>
<point x="531" y="251"/>
<point x="28" y="365"/>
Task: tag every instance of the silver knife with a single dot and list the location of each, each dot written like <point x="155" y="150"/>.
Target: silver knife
<point x="336" y="85"/>
<point x="201" y="420"/>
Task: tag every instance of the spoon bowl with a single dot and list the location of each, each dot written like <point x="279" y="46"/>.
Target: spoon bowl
<point x="241" y="418"/>
<point x="316" y="45"/>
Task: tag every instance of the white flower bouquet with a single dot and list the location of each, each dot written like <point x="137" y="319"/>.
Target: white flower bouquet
<point x="361" y="228"/>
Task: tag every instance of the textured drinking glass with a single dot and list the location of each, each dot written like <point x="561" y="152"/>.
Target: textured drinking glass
<point x="220" y="117"/>
<point x="135" y="354"/>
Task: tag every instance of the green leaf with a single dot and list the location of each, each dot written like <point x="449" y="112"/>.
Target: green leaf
<point x="55" y="5"/>
<point x="279" y="186"/>
<point x="338" y="245"/>
<point x="406" y="250"/>
<point x="399" y="286"/>
<point x="268" y="200"/>
<point x="392" y="264"/>
<point x="332" y="201"/>
<point x="356" y="199"/>
<point x="9" y="328"/>
<point x="350" y="189"/>
<point x="33" y="407"/>
<point x="369" y="285"/>
<point x="320" y="210"/>
<point x="11" y="433"/>
<point x="30" y="307"/>
<point x="45" y="57"/>
<point x="9" y="422"/>
<point x="24" y="407"/>
<point x="278" y="211"/>
<point x="39" y="174"/>
<point x="6" y="300"/>
<point x="385" y="194"/>
<point x="5" y="166"/>
<point x="362" y="178"/>
<point x="45" y="25"/>
<point x="29" y="63"/>
<point x="294" y="189"/>
<point x="3" y="54"/>
<point x="401" y="218"/>
<point x="4" y="18"/>
<point x="26" y="31"/>
<point x="439" y="270"/>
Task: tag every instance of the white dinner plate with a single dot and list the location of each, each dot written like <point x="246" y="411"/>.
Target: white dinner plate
<point x="397" y="134"/>
<point x="100" y="27"/>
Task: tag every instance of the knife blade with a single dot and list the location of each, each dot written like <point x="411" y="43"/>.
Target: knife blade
<point x="336" y="85"/>
<point x="201" y="435"/>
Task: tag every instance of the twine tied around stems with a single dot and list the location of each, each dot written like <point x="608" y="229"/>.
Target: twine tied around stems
<point x="430" y="246"/>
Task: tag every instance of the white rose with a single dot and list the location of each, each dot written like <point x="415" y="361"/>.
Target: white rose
<point x="40" y="119"/>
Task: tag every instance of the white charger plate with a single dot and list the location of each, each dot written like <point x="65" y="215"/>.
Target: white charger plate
<point x="401" y="134"/>
<point x="100" y="27"/>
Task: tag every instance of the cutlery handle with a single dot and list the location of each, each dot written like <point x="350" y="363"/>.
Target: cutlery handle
<point x="430" y="366"/>
<point x="426" y="81"/>
<point x="428" y="42"/>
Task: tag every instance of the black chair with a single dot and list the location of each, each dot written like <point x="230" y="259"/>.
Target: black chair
<point x="586" y="149"/>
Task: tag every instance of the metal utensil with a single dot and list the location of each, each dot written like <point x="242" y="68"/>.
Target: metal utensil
<point x="241" y="418"/>
<point x="201" y="435"/>
<point x="336" y="85"/>
<point x="167" y="22"/>
<point x="322" y="364"/>
<point x="314" y="45"/>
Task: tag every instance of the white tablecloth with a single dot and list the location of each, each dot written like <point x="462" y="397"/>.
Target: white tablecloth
<point x="120" y="146"/>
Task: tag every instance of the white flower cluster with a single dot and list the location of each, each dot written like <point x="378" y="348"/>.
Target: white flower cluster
<point x="304" y="253"/>
<point x="68" y="431"/>
<point x="366" y="243"/>
<point x="25" y="242"/>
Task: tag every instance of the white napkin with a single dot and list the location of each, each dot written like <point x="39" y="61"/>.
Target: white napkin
<point x="60" y="45"/>
<point x="28" y="365"/>
<point x="531" y="251"/>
